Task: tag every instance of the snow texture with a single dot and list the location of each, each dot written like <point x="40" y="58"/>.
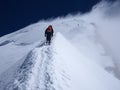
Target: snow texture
<point x="57" y="68"/>
<point x="77" y="59"/>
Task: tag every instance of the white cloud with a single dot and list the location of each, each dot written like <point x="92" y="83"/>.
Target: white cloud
<point x="106" y="16"/>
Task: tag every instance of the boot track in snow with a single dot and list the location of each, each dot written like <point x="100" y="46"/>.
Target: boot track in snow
<point x="36" y="73"/>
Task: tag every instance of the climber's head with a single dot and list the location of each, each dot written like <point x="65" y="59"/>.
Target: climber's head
<point x="50" y="27"/>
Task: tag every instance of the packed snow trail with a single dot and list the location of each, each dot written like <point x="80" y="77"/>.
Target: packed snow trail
<point x="36" y="71"/>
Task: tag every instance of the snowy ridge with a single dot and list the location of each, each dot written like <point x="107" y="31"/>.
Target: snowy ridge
<point x="34" y="72"/>
<point x="39" y="72"/>
<point x="57" y="67"/>
<point x="76" y="60"/>
<point x="77" y="31"/>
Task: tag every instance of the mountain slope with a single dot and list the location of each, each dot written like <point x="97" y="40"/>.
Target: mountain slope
<point x="22" y="49"/>
<point x="77" y="31"/>
<point x="57" y="67"/>
<point x="82" y="72"/>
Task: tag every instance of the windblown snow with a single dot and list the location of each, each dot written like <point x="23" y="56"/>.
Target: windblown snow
<point x="75" y="60"/>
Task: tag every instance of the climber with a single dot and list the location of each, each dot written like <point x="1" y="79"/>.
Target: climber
<point x="49" y="34"/>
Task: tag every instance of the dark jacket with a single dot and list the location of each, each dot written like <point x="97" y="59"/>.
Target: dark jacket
<point x="48" y="33"/>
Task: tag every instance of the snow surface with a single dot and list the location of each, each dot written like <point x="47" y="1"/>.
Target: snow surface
<point x="82" y="74"/>
<point x="57" y="68"/>
<point x="81" y="56"/>
<point x="105" y="16"/>
<point x="82" y="34"/>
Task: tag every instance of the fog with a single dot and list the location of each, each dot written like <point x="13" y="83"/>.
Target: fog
<point x="106" y="18"/>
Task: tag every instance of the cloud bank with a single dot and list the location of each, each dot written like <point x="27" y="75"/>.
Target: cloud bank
<point x="106" y="17"/>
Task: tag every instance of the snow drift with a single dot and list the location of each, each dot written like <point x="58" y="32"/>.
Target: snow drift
<point x="83" y="55"/>
<point x="57" y="67"/>
<point x="82" y="73"/>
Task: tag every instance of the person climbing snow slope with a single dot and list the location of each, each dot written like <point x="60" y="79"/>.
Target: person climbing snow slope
<point x="49" y="34"/>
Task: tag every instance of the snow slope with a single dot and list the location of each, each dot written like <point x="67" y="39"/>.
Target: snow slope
<point x="23" y="52"/>
<point x="58" y="68"/>
<point x="106" y="18"/>
<point x="82" y="73"/>
<point x="82" y="34"/>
